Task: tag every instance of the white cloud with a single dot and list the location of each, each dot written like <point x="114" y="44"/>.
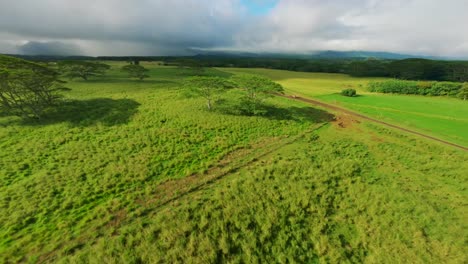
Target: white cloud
<point x="156" y="27"/>
<point x="414" y="26"/>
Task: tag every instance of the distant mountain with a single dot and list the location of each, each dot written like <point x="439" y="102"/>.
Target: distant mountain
<point x="329" y="54"/>
<point x="370" y="54"/>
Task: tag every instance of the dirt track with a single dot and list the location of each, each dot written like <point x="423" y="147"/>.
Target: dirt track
<point x="336" y="108"/>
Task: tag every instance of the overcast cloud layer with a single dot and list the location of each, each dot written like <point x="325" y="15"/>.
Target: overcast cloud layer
<point x="177" y="27"/>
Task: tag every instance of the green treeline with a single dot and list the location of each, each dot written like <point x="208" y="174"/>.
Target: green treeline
<point x="408" y="69"/>
<point x="416" y="87"/>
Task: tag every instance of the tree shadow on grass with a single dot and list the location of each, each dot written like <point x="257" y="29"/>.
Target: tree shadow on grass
<point x="298" y="114"/>
<point x="83" y="113"/>
<point x="354" y="96"/>
<point x="128" y="81"/>
<point x="207" y="72"/>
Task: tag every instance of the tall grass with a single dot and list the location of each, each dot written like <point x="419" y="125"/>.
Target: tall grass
<point x="338" y="198"/>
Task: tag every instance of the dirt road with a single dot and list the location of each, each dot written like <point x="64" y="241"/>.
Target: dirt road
<point x="336" y="108"/>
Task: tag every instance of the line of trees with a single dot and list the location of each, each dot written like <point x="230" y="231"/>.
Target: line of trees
<point x="408" y="69"/>
<point x="420" y="88"/>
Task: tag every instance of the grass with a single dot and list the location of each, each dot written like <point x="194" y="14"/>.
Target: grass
<point x="446" y="118"/>
<point x="133" y="172"/>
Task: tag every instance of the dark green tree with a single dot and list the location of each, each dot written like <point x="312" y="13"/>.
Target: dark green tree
<point x="207" y="87"/>
<point x="27" y="89"/>
<point x="135" y="71"/>
<point x="257" y="89"/>
<point x="82" y="69"/>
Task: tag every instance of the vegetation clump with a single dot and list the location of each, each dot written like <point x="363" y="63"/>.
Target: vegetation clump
<point x="349" y="92"/>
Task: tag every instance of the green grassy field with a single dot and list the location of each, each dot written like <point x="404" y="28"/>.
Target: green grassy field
<point x="442" y="117"/>
<point x="132" y="172"/>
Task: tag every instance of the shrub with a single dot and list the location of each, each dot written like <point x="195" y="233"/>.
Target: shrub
<point x="349" y="92"/>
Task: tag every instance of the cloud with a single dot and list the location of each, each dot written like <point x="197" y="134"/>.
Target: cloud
<point x="161" y="24"/>
<point x="160" y="27"/>
<point x="413" y="26"/>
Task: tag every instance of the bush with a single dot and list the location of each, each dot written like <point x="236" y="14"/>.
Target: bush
<point x="349" y="92"/>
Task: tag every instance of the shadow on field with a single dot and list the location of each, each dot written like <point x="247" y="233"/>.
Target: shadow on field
<point x="128" y="81"/>
<point x="210" y="72"/>
<point x="355" y="96"/>
<point x="298" y="114"/>
<point x="105" y="111"/>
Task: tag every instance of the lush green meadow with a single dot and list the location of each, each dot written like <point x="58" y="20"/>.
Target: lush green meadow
<point x="137" y="172"/>
<point x="442" y="117"/>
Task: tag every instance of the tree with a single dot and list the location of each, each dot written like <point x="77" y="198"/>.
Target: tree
<point x="349" y="92"/>
<point x="27" y="89"/>
<point x="136" y="71"/>
<point x="82" y="69"/>
<point x="207" y="87"/>
<point x="257" y="89"/>
<point x="464" y="91"/>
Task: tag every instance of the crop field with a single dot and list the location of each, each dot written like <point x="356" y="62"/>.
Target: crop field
<point x="442" y="117"/>
<point x="139" y="172"/>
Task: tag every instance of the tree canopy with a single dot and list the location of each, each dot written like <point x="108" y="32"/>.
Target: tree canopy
<point x="256" y="89"/>
<point x="135" y="71"/>
<point x="208" y="87"/>
<point x="27" y="89"/>
<point x="82" y="69"/>
<point x="256" y="85"/>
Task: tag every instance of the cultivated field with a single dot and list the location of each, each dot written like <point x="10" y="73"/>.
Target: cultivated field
<point x="136" y="171"/>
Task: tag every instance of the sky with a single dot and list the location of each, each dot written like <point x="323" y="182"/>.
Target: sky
<point x="185" y="27"/>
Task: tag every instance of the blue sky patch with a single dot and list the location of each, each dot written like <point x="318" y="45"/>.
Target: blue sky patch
<point x="259" y="7"/>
